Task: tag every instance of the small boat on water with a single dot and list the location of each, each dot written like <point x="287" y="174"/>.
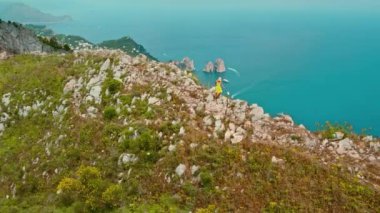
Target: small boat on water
<point x="225" y="80"/>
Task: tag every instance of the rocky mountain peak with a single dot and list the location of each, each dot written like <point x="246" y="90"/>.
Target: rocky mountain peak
<point x="15" y="39"/>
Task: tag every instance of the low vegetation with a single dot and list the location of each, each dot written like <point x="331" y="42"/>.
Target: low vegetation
<point x="125" y="159"/>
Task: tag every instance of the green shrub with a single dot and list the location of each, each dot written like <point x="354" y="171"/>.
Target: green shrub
<point x="209" y="209"/>
<point x="53" y="42"/>
<point x="126" y="99"/>
<point x="207" y="180"/>
<point x="189" y="189"/>
<point x="70" y="185"/>
<point x="112" y="85"/>
<point x="328" y="130"/>
<point x="69" y="190"/>
<point x="146" y="144"/>
<point x="110" y="113"/>
<point x="113" y="196"/>
<point x="87" y="173"/>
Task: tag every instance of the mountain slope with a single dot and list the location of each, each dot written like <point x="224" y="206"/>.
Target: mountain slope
<point x="100" y="130"/>
<point x="23" y="13"/>
<point x="15" y="39"/>
<point x="126" y="44"/>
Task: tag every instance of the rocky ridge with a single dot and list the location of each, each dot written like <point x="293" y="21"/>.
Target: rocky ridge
<point x="235" y="120"/>
<point x="188" y="107"/>
<point x="15" y="39"/>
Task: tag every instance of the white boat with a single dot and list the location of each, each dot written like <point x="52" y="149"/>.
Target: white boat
<point x="225" y="80"/>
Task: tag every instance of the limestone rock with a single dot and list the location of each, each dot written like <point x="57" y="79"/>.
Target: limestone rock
<point x="105" y="65"/>
<point x="219" y="65"/>
<point x="95" y="92"/>
<point x="368" y="139"/>
<point x="209" y="67"/>
<point x="339" y="135"/>
<point x="6" y="99"/>
<point x="257" y="112"/>
<point x="172" y="148"/>
<point x="207" y="121"/>
<point x="194" y="169"/>
<point x="277" y="160"/>
<point x="181" y="131"/>
<point x="228" y="135"/>
<point x="16" y="39"/>
<point x="344" y="145"/>
<point x="69" y="87"/>
<point x="180" y="170"/>
<point x="237" y="138"/>
<point x="219" y="126"/>
<point x="186" y="64"/>
<point x="154" y="101"/>
<point x="126" y="158"/>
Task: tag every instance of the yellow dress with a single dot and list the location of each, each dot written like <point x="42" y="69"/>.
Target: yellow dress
<point x="218" y="88"/>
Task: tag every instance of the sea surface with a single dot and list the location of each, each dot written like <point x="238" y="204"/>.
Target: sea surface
<point x="316" y="66"/>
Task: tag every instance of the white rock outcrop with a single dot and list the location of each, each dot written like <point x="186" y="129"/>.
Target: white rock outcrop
<point x="180" y="170"/>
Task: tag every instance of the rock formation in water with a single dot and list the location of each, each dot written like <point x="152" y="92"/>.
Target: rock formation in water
<point x="209" y="67"/>
<point x="219" y="65"/>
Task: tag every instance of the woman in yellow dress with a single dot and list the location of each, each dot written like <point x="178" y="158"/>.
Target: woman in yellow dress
<point x="218" y="88"/>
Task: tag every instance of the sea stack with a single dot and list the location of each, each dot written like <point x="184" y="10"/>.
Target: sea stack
<point x="209" y="67"/>
<point x="219" y="65"/>
<point x="186" y="64"/>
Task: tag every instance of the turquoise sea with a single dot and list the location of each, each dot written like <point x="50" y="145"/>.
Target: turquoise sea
<point x="316" y="66"/>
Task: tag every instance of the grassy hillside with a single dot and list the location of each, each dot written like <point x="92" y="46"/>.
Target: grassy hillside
<point x="62" y="150"/>
<point x="128" y="45"/>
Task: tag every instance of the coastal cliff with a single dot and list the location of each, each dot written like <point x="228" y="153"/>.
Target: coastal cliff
<point x="15" y="39"/>
<point x="100" y="130"/>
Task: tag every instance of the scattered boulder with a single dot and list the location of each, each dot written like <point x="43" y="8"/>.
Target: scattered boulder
<point x="6" y="99"/>
<point x="228" y="135"/>
<point x="181" y="131"/>
<point x="368" y="138"/>
<point x="344" y="146"/>
<point x="105" y="65"/>
<point x="257" y="112"/>
<point x="277" y="160"/>
<point x="186" y="64"/>
<point x="207" y="121"/>
<point x="126" y="158"/>
<point x="69" y="87"/>
<point x="95" y="92"/>
<point x="339" y="135"/>
<point x="194" y="169"/>
<point x="237" y="138"/>
<point x="180" y="170"/>
<point x="172" y="148"/>
<point x="154" y="101"/>
<point x="219" y="126"/>
<point x="310" y="143"/>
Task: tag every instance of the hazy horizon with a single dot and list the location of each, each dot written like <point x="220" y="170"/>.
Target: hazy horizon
<point x="75" y="7"/>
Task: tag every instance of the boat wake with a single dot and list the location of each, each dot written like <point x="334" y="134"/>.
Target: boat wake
<point x="234" y="70"/>
<point x="245" y="89"/>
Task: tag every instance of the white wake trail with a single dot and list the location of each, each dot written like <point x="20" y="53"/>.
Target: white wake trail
<point x="245" y="89"/>
<point x="234" y="70"/>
